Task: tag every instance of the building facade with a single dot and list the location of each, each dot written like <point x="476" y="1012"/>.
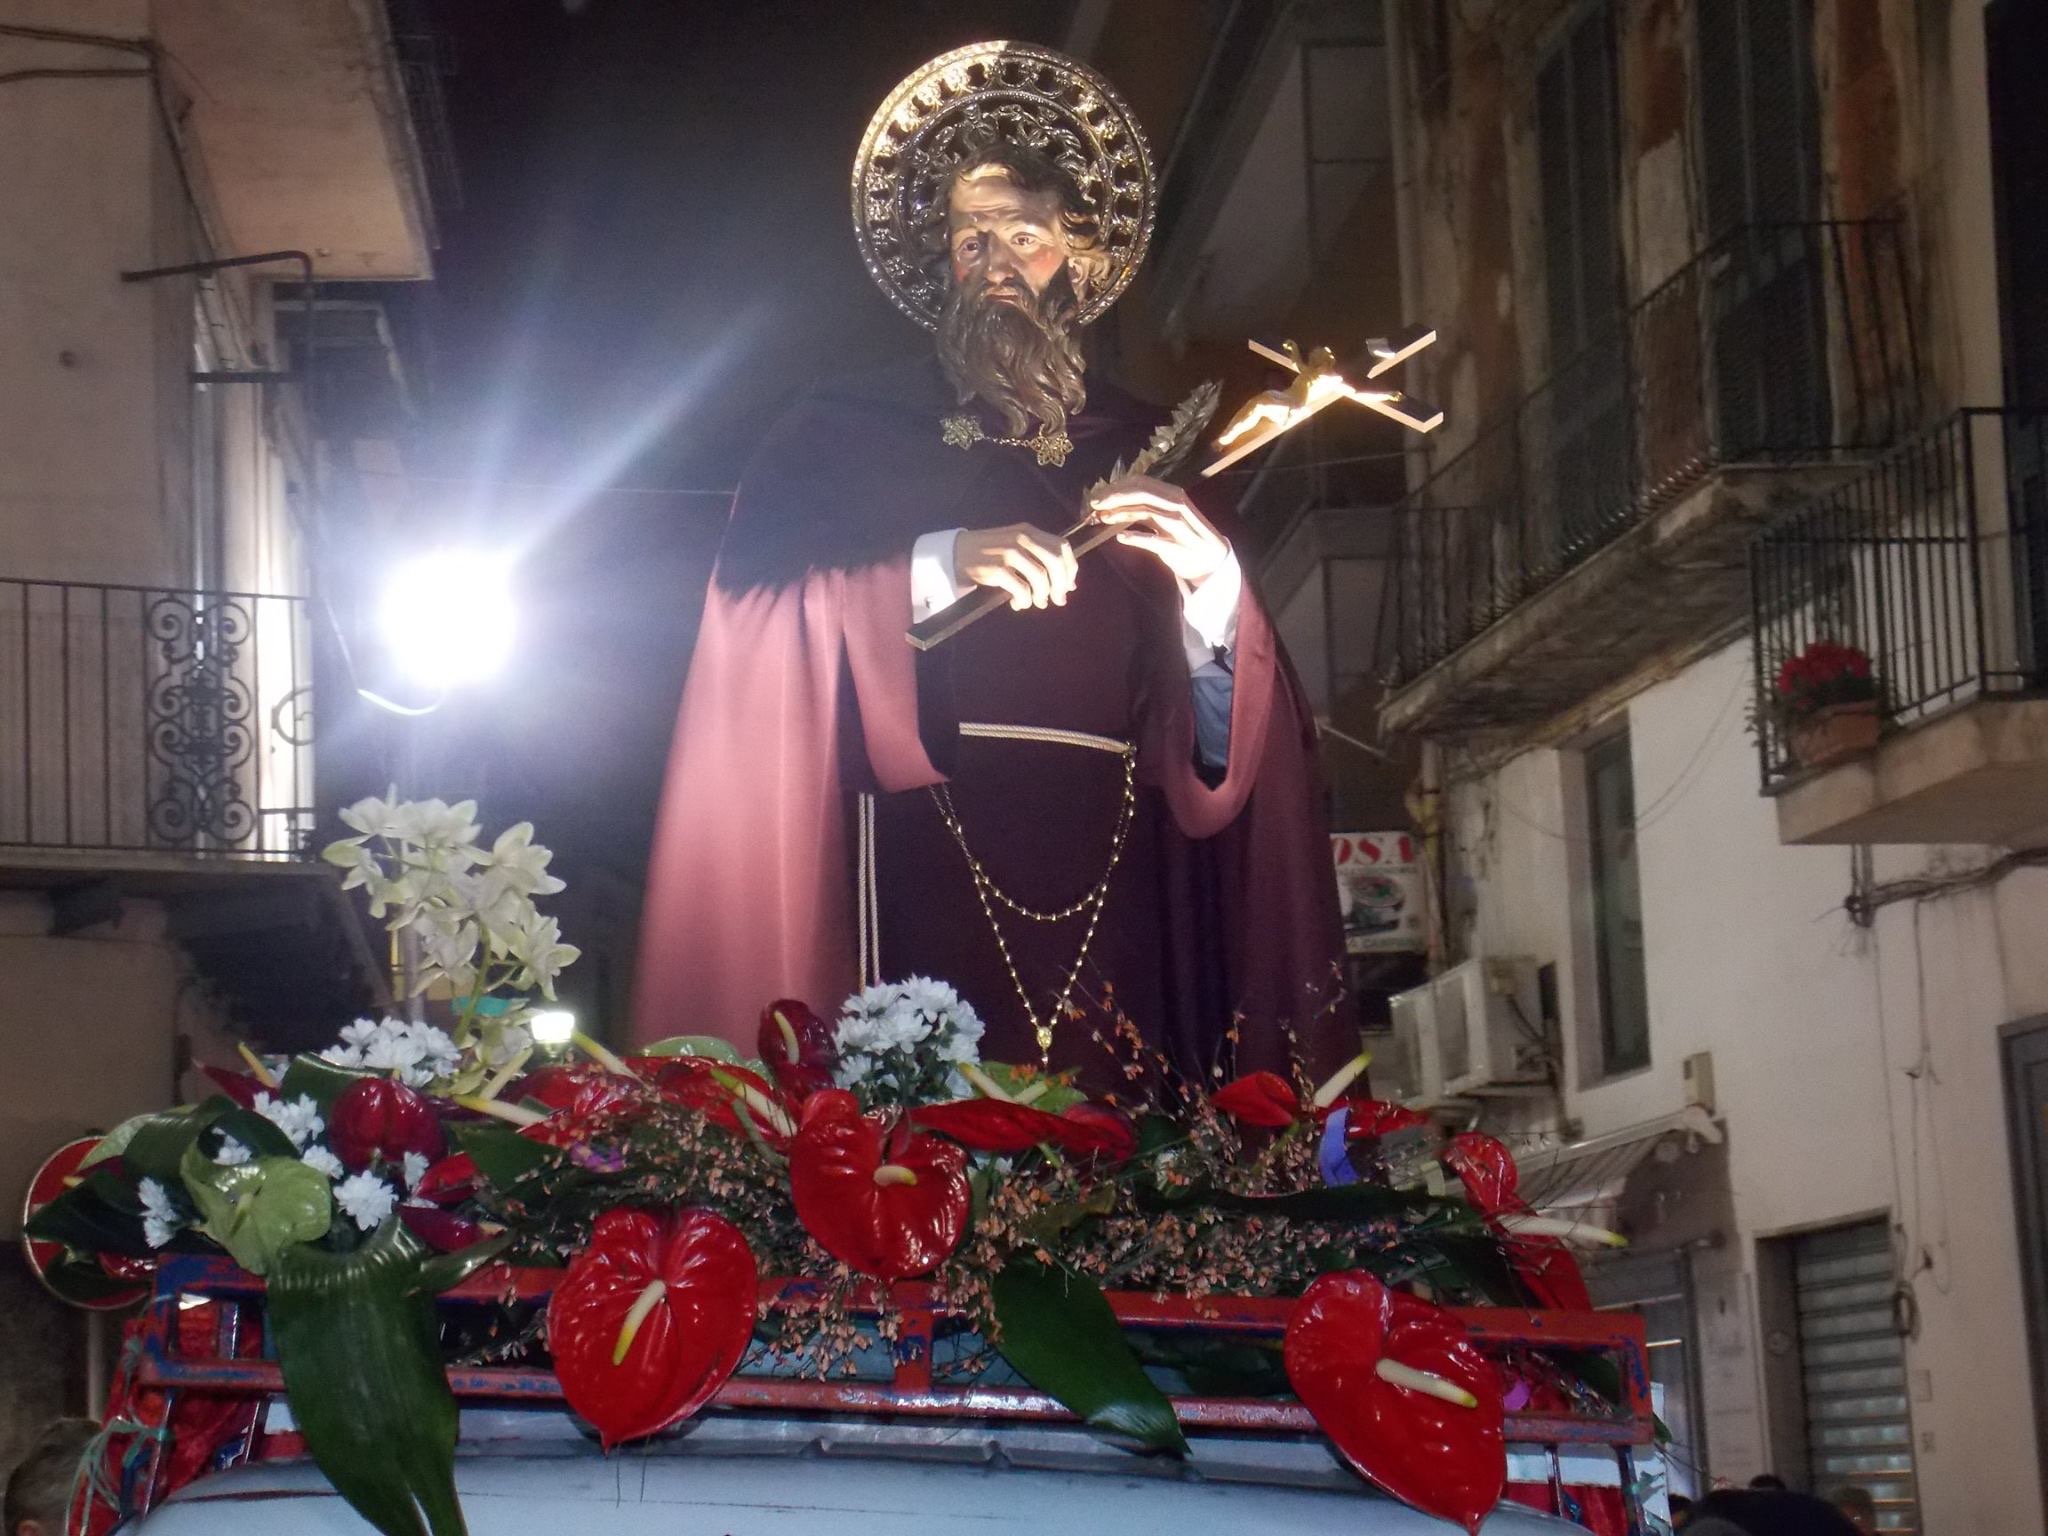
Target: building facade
<point x="187" y="184"/>
<point x="1741" y="342"/>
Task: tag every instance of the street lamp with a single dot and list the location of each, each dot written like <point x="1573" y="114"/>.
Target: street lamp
<point x="552" y="1026"/>
<point x="447" y="617"/>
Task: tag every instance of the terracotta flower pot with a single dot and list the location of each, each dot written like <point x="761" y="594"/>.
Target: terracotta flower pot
<point x="1834" y="733"/>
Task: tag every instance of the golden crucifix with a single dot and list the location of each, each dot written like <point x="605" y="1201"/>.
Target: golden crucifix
<point x="1317" y="384"/>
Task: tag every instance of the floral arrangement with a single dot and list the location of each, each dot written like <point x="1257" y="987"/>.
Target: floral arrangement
<point x="1825" y="673"/>
<point x="853" y="1152"/>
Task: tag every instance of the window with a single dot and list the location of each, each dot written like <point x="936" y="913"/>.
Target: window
<point x="1623" y="981"/>
<point x="1759" y="168"/>
<point x="1756" y="112"/>
<point x="1575" y="143"/>
<point x="1580" y="486"/>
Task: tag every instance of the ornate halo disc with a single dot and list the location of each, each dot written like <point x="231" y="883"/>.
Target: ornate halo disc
<point x="1030" y="95"/>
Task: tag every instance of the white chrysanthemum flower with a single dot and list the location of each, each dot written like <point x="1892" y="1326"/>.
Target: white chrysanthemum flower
<point x="415" y="1170"/>
<point x="324" y="1160"/>
<point x="160" y="1218"/>
<point x="393" y="1051"/>
<point x="299" y="1119"/>
<point x="439" y="1054"/>
<point x="367" y="1199"/>
<point x="232" y="1153"/>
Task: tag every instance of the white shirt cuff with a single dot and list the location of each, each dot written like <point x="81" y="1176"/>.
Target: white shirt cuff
<point x="932" y="583"/>
<point x="1209" y="612"/>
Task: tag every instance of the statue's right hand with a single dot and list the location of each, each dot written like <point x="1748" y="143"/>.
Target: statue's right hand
<point x="1033" y="566"/>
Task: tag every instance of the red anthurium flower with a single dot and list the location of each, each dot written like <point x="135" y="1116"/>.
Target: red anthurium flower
<point x="1264" y="1099"/>
<point x="577" y="1099"/>
<point x="997" y="1125"/>
<point x="451" y="1181"/>
<point x="1110" y="1134"/>
<point x="442" y="1231"/>
<point x="1546" y="1266"/>
<point x="717" y="1089"/>
<point x="651" y="1318"/>
<point x="885" y="1200"/>
<point x="800" y="1048"/>
<point x="1374" y="1118"/>
<point x="242" y="1087"/>
<point x="378" y="1117"/>
<point x="990" y="1125"/>
<point x="1403" y="1394"/>
<point x="564" y="1086"/>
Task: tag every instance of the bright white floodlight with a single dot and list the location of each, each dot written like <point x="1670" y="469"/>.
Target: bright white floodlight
<point x="447" y="618"/>
<point x="552" y="1026"/>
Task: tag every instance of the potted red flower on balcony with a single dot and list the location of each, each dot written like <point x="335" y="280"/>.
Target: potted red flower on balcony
<point x="1826" y="701"/>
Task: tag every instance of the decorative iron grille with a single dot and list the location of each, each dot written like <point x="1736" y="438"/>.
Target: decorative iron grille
<point x="1780" y="344"/>
<point x="138" y="718"/>
<point x="1934" y="564"/>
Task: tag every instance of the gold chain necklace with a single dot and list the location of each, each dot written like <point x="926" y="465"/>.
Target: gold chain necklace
<point x="989" y="894"/>
<point x="964" y="431"/>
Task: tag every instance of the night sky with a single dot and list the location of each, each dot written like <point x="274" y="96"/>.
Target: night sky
<point x="653" y="254"/>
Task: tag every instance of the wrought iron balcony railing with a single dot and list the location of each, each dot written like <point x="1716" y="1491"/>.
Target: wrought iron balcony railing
<point x="142" y="719"/>
<point x="1933" y="564"/>
<point x="1780" y="344"/>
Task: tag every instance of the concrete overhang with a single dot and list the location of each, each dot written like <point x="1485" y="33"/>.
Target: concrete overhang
<point x="1974" y="774"/>
<point x="298" y="117"/>
<point x="1671" y="588"/>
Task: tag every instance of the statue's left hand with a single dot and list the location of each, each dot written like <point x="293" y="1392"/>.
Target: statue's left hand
<point x="1159" y="519"/>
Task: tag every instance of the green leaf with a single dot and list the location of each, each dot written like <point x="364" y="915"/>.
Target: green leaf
<point x="157" y="1145"/>
<point x="693" y="1045"/>
<point x="82" y="1283"/>
<point x="1473" y="1262"/>
<point x="501" y="1154"/>
<point x="320" y="1081"/>
<point x="1051" y="1222"/>
<point x="1217" y="1367"/>
<point x="361" y="1356"/>
<point x="1057" y="1328"/>
<point x="1059" y="1094"/>
<point x="259" y="1209"/>
<point x="92" y="1218"/>
<point x="258" y="1133"/>
<point x="445" y="1271"/>
<point x="116" y="1141"/>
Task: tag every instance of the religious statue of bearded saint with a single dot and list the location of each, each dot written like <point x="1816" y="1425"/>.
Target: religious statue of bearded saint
<point x="1102" y="803"/>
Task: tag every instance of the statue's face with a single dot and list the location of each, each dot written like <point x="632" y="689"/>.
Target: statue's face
<point x="1004" y="240"/>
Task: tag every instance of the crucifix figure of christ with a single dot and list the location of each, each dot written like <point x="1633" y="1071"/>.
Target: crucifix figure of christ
<point x="1104" y="799"/>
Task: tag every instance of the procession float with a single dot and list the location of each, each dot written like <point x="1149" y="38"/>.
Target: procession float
<point x="864" y="1220"/>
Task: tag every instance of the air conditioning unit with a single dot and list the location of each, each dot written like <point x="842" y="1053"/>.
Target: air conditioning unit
<point x="1476" y="1027"/>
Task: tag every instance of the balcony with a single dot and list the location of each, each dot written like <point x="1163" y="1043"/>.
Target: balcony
<point x="320" y="131"/>
<point x="1935" y="565"/>
<point x="157" y="744"/>
<point x="1604" y="524"/>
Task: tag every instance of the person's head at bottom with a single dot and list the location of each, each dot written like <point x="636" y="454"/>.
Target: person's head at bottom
<point x="39" y="1489"/>
<point x="1766" y="1512"/>
<point x="1681" y="1511"/>
<point x="1856" y="1502"/>
<point x="1768" y="1482"/>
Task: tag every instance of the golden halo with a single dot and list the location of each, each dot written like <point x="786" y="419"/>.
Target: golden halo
<point x="1029" y="95"/>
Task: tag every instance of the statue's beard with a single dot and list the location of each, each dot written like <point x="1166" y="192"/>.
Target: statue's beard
<point x="1021" y="359"/>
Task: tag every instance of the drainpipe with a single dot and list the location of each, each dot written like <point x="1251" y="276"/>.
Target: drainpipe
<point x="307" y="330"/>
<point x="1425" y="806"/>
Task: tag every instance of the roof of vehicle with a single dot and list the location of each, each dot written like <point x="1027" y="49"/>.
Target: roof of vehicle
<point x="519" y="1473"/>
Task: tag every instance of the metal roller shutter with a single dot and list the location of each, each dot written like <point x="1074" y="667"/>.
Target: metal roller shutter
<point x="1853" y="1364"/>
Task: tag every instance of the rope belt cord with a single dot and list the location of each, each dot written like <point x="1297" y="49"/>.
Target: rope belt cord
<point x="870" y="915"/>
<point x="985" y="889"/>
<point x="1049" y="734"/>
